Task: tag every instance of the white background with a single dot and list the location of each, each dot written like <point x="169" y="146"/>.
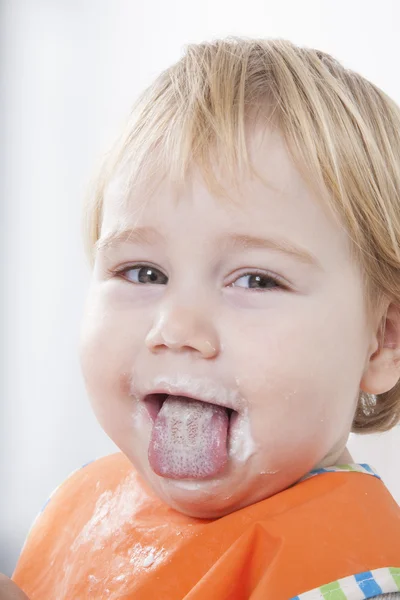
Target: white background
<point x="69" y="72"/>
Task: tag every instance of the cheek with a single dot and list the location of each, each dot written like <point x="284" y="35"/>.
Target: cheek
<point x="300" y="373"/>
<point x="110" y="346"/>
<point x="110" y="342"/>
<point x="106" y="374"/>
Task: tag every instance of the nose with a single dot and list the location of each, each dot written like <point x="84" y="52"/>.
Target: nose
<point x="182" y="328"/>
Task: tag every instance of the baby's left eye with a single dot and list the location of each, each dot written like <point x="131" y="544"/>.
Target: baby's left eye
<point x="256" y="281"/>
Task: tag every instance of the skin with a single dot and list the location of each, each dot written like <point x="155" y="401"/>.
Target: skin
<point x="297" y="352"/>
<point x="9" y="590"/>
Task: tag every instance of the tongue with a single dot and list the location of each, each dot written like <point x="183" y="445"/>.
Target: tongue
<point x="189" y="439"/>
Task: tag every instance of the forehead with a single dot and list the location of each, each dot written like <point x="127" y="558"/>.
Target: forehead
<point x="273" y="197"/>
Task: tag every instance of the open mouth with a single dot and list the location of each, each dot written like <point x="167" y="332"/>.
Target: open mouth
<point x="189" y="438"/>
<point x="154" y="403"/>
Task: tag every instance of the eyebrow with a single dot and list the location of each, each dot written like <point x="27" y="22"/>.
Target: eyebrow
<point x="149" y="235"/>
<point x="133" y="235"/>
<point x="278" y="245"/>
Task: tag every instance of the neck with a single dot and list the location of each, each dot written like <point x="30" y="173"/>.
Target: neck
<point x="344" y="458"/>
<point x="340" y="457"/>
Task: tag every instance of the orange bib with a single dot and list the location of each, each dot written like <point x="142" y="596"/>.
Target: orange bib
<point x="105" y="535"/>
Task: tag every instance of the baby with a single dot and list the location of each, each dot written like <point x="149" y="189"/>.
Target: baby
<point x="243" y="318"/>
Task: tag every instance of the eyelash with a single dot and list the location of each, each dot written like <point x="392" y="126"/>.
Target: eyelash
<point x="120" y="273"/>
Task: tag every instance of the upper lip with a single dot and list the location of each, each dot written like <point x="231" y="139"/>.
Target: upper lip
<point x="204" y="389"/>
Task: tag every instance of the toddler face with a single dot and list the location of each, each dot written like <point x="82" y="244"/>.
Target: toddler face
<point x="224" y="342"/>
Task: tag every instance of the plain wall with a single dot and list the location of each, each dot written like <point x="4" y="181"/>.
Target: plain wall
<point x="69" y="72"/>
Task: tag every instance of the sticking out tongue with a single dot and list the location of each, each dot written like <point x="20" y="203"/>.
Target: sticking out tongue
<point x="189" y="439"/>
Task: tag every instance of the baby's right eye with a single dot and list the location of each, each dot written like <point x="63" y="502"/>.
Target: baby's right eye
<point x="141" y="274"/>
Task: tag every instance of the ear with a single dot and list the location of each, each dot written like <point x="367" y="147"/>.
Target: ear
<point x="382" y="370"/>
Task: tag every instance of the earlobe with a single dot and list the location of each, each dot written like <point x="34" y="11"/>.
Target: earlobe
<point x="382" y="371"/>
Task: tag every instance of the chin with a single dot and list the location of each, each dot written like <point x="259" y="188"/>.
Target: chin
<point x="211" y="498"/>
<point x="197" y="499"/>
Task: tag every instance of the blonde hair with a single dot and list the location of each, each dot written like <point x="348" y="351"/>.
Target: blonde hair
<point x="342" y="131"/>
